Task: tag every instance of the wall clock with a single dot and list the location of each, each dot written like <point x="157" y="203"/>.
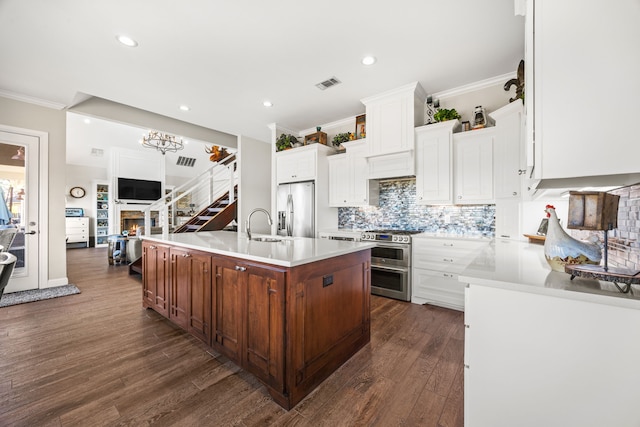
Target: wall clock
<point x="77" y="192"/>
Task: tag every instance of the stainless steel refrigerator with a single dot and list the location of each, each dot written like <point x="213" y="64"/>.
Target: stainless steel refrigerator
<point x="296" y="207"/>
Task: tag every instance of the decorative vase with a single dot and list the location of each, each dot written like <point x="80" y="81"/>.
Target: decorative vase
<point x="561" y="249"/>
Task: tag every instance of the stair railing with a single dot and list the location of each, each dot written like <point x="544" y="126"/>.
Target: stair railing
<point x="201" y="191"/>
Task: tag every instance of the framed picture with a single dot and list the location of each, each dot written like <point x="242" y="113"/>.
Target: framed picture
<point x="361" y="131"/>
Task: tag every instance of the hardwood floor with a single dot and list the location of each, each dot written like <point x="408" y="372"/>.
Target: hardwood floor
<point x="100" y="359"/>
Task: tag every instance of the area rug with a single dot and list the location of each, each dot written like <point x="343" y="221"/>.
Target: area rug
<point x="37" y="295"/>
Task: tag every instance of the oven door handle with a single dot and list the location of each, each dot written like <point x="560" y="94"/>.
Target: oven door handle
<point x="385" y="268"/>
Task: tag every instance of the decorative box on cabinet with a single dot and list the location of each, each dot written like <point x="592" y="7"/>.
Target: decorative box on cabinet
<point x="434" y="162"/>
<point x="316" y="138"/>
<point x="473" y="167"/>
<point x="77" y="230"/>
<point x="437" y="262"/>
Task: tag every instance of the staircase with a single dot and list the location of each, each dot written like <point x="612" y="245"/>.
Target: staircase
<point x="213" y="217"/>
<point x="213" y="193"/>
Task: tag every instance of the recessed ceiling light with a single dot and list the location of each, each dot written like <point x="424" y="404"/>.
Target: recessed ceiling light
<point x="267" y="104"/>
<point x="127" y="41"/>
<point x="87" y="121"/>
<point x="369" y="60"/>
<point x="185" y="108"/>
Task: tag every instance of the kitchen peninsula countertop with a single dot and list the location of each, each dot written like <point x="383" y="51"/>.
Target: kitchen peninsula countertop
<point x="289" y="252"/>
<point x="521" y="266"/>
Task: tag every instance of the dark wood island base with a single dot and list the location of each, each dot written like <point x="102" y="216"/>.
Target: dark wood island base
<point x="291" y="327"/>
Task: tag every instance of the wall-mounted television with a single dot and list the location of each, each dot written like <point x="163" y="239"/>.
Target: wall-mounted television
<point x="139" y="190"/>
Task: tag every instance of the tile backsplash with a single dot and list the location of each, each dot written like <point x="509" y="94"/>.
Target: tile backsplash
<point x="398" y="210"/>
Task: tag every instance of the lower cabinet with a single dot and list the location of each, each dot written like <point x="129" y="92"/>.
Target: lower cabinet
<point x="155" y="280"/>
<point x="240" y="309"/>
<point x="436" y="265"/>
<point x="248" y="321"/>
<point x="190" y="297"/>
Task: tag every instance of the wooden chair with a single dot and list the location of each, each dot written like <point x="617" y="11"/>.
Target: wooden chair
<point x="7" y="263"/>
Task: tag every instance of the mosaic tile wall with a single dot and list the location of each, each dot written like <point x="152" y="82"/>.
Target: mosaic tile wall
<point x="398" y="210"/>
<point x="624" y="241"/>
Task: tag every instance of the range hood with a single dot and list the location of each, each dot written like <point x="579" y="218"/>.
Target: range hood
<point x="557" y="186"/>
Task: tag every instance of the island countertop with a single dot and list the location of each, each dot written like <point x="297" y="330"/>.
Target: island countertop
<point x="289" y="252"/>
<point x="521" y="266"/>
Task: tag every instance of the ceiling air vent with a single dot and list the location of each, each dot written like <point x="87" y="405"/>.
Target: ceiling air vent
<point x="186" y="161"/>
<point x="332" y="81"/>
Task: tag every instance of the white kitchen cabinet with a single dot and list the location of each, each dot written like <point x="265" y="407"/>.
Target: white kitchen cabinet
<point x="297" y="164"/>
<point x="434" y="162"/>
<point x="391" y="118"/>
<point x="339" y="180"/>
<point x="349" y="183"/>
<point x="509" y="162"/>
<point x="77" y="230"/>
<point x="539" y="360"/>
<point x="586" y="105"/>
<point x="436" y="263"/>
<point x="473" y="166"/>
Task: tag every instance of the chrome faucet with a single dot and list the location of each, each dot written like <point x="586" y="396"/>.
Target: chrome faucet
<point x="248" y="223"/>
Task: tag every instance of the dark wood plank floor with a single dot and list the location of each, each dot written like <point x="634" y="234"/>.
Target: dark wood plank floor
<point x="100" y="359"/>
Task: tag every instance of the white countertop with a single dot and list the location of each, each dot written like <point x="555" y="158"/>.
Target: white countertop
<point x="521" y="266"/>
<point x="289" y="252"/>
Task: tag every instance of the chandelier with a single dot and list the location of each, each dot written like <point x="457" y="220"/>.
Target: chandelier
<point x="162" y="142"/>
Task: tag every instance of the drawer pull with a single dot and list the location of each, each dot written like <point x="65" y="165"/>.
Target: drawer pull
<point x="238" y="268"/>
<point x="153" y="247"/>
<point x="186" y="255"/>
<point x="447" y="244"/>
<point x="447" y="260"/>
<point x="447" y="275"/>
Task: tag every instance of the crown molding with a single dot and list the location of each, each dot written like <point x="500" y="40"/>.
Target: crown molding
<point x="32" y="100"/>
<point x="482" y="84"/>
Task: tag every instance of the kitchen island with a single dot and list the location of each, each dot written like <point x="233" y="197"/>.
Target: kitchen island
<point x="290" y="311"/>
<point x="544" y="350"/>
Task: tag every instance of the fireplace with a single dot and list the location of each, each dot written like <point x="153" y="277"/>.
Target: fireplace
<point x="132" y="221"/>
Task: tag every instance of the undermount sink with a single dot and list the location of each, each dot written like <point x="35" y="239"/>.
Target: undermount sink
<point x="266" y="239"/>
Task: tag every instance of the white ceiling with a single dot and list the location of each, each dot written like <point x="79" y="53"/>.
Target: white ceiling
<point x="224" y="58"/>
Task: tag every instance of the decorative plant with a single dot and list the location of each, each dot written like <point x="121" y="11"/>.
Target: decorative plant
<point x="285" y="141"/>
<point x="342" y="137"/>
<point x="445" y="114"/>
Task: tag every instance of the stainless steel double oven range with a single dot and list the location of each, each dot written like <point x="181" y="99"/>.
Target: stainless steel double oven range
<point x="390" y="260"/>
<point x="390" y="263"/>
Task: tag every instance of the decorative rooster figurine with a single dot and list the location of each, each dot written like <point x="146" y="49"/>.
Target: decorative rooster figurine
<point x="561" y="249"/>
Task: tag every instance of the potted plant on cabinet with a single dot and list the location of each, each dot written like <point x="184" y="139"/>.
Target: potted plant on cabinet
<point x="340" y="138"/>
<point x="286" y="141"/>
<point x="444" y="114"/>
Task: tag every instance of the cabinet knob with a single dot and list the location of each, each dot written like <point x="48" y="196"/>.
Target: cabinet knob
<point x="153" y="247"/>
<point x="522" y="171"/>
<point x="515" y="193"/>
<point x="186" y="255"/>
<point x="238" y="268"/>
<point x="459" y="197"/>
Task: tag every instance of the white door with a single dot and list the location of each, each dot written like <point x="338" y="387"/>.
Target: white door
<point x="19" y="169"/>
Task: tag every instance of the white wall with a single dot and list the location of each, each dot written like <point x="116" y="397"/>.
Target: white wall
<point x="254" y="171"/>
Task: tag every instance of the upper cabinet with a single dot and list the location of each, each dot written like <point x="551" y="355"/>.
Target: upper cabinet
<point x="584" y="86"/>
<point x="299" y="164"/>
<point x="391" y="119"/>
<point x="509" y="161"/>
<point x="348" y="177"/>
<point x="434" y="162"/>
<point x="473" y="166"/>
